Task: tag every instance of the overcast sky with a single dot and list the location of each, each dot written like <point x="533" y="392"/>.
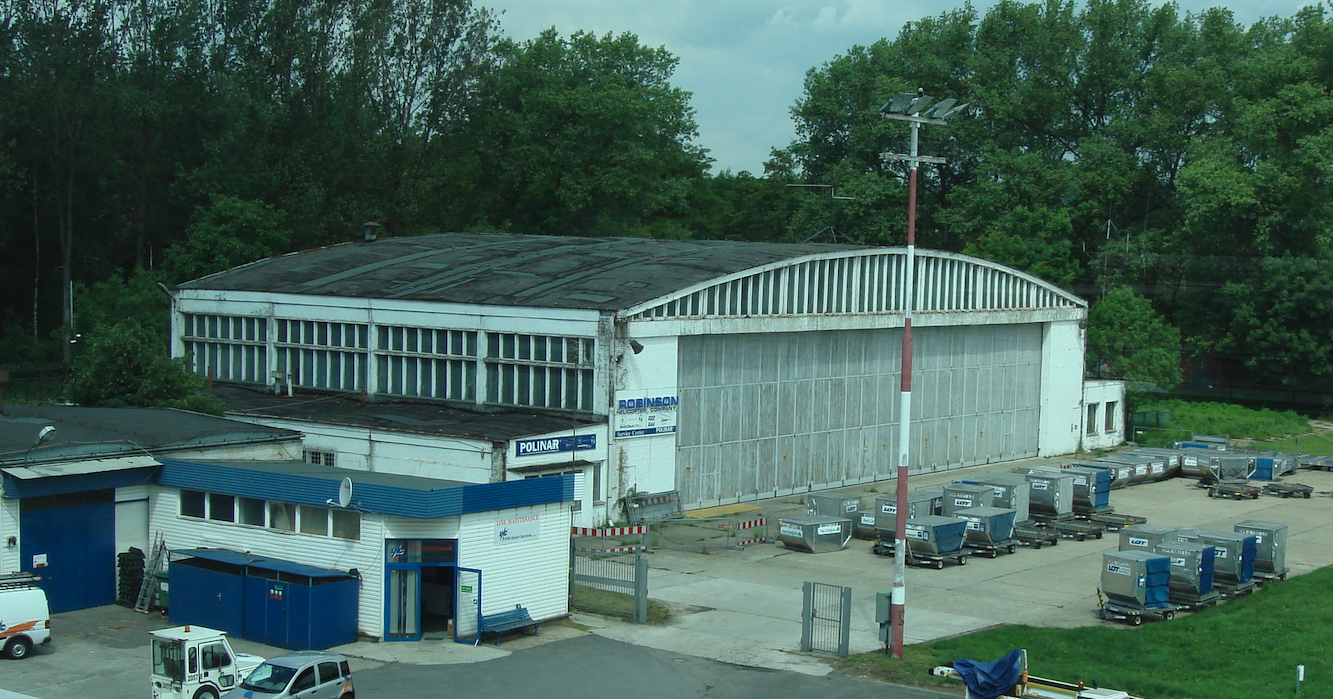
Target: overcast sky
<point x="745" y="60"/>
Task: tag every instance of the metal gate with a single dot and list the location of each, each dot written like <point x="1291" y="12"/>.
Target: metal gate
<point x="609" y="582"/>
<point x="826" y="618"/>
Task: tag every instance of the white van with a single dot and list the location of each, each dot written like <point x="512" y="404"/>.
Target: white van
<point x="25" y="620"/>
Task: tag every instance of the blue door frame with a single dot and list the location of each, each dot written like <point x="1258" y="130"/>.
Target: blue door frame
<point x="403" y="564"/>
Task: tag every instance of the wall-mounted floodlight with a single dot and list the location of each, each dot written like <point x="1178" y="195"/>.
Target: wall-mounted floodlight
<point x="635" y="346"/>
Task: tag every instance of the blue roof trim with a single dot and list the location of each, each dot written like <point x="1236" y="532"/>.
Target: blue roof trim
<point x="77" y="483"/>
<point x="413" y="498"/>
<point x="263" y="562"/>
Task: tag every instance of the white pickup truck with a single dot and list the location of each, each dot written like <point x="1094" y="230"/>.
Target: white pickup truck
<point x="193" y="662"/>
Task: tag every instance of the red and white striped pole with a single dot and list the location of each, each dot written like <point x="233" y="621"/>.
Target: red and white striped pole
<point x="898" y="595"/>
<point x="915" y="110"/>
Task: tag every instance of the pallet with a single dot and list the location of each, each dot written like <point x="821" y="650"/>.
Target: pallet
<point x="1078" y="531"/>
<point x="1115" y="612"/>
<point x="923" y="560"/>
<point x="1232" y="591"/>
<point x="1114" y="522"/>
<point x="1288" y="490"/>
<point x="1196" y="602"/>
<point x="1034" y="537"/>
<point x="1234" y="491"/>
<point x="1263" y="576"/>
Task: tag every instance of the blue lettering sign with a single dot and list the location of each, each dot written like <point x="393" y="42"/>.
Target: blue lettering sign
<point x="555" y="445"/>
<point x="658" y="403"/>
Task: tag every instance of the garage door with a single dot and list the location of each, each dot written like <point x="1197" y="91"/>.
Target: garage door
<point x="70" y="540"/>
<point x="765" y="415"/>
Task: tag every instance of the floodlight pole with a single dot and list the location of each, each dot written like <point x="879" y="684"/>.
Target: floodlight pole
<point x="905" y="108"/>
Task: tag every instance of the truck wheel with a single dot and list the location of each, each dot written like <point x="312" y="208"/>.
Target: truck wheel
<point x="206" y="693"/>
<point x="18" y="648"/>
<point x="939" y="565"/>
<point x="962" y="560"/>
<point x="1168" y="616"/>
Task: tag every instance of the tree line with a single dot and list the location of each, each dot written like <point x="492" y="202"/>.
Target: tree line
<point x="1174" y="167"/>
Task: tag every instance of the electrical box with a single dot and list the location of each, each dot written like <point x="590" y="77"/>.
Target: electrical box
<point x="884" y="614"/>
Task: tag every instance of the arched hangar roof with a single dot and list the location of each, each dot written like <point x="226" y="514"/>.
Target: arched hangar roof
<point x="640" y="279"/>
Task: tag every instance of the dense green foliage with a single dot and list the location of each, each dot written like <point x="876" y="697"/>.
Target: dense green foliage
<point x="1110" y="143"/>
<point x="1234" y="421"/>
<point x="1246" y="648"/>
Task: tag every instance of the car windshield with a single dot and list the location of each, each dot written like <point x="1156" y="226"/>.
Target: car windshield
<point x="268" y="678"/>
<point x="167" y="657"/>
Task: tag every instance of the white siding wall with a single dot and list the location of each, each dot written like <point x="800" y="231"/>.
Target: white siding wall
<point x="363" y="449"/>
<point x="1061" y="389"/>
<point x="366" y="555"/>
<point x="591" y="512"/>
<point x="531" y="572"/>
<point x="1106" y="395"/>
<point x="9" y="526"/>
<point x="644" y="464"/>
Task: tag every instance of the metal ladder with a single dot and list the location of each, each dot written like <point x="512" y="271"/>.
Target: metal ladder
<point x="148" y="589"/>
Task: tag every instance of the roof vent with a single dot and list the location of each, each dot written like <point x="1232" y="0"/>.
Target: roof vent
<point x="370" y="230"/>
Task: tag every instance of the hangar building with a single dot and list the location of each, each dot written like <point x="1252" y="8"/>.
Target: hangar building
<point x="728" y="371"/>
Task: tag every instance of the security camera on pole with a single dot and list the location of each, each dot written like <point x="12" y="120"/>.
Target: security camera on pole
<point x="915" y="109"/>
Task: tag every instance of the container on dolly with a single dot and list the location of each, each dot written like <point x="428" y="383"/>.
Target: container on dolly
<point x="1233" y="562"/>
<point x="1270" y="548"/>
<point x="920" y="503"/>
<point x="1135" y="583"/>
<point x="931" y="540"/>
<point x="1010" y="491"/>
<point x="832" y="505"/>
<point x="1191" y="574"/>
<point x="990" y="530"/>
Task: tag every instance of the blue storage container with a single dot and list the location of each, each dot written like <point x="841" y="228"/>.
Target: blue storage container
<point x="935" y="535"/>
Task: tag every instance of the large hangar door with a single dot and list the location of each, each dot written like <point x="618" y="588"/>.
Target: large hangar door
<point x="764" y="415"/>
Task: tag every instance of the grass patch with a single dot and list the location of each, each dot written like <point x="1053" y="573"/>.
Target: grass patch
<point x="608" y="603"/>
<point x="1309" y="444"/>
<point x="1245" y="648"/>
<point x="1189" y="418"/>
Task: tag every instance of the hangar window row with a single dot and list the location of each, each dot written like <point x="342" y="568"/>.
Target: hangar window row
<point x="439" y="363"/>
<point x="271" y="514"/>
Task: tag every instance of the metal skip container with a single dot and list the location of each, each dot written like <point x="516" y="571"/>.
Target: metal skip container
<point x="988" y="525"/>
<point x="1136" y="579"/>
<point x="962" y="496"/>
<point x="815" y="533"/>
<point x="935" y="534"/>
<point x="1234" y="559"/>
<point x="920" y="503"/>
<point x="1121" y="474"/>
<point x="1145" y="537"/>
<point x="865" y="524"/>
<point x="1010" y="491"/>
<point x="832" y="505"/>
<point x="1270" y="541"/>
<point x="1092" y="487"/>
<point x="1052" y="494"/>
<point x="1191" y="567"/>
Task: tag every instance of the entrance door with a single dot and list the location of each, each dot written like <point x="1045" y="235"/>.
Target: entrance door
<point x="467" y="605"/>
<point x="404" y="604"/>
<point x="70" y="540"/>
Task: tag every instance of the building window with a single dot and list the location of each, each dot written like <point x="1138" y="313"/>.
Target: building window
<point x="1091" y="423"/>
<point x="227" y="348"/>
<point x="579" y="476"/>
<point x="540" y="371"/>
<point x="221" y="508"/>
<point x="251" y="511"/>
<point x="427" y="363"/>
<point x="1111" y="416"/>
<point x="318" y="354"/>
<point x="322" y="458"/>
<point x="279" y="516"/>
<point x="192" y="504"/>
<point x="282" y="516"/>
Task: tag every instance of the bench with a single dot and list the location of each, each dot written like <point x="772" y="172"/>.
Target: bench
<point x="500" y="622"/>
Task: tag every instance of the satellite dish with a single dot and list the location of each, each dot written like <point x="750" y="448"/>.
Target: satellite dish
<point x="345" y="493"/>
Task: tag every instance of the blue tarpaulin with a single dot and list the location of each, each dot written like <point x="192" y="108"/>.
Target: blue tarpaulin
<point x="990" y="680"/>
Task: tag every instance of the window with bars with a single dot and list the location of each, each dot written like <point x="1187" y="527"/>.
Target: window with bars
<point x="320" y="354"/>
<point x="227" y="348"/>
<point x="323" y="458"/>
<point x="540" y="371"/>
<point x="427" y="363"/>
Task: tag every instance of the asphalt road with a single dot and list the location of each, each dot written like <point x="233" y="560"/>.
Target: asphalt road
<point x="592" y="667"/>
<point x="103" y="653"/>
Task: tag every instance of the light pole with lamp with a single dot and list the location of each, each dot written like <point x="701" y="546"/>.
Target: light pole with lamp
<point x="915" y="109"/>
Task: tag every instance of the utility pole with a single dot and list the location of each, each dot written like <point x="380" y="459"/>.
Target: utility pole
<point x="916" y="110"/>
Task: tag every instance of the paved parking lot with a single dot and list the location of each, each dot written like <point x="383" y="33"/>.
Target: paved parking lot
<point x="744" y="606"/>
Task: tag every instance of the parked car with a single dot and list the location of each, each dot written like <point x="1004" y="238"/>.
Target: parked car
<point x="303" y="675"/>
<point x="25" y="619"/>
